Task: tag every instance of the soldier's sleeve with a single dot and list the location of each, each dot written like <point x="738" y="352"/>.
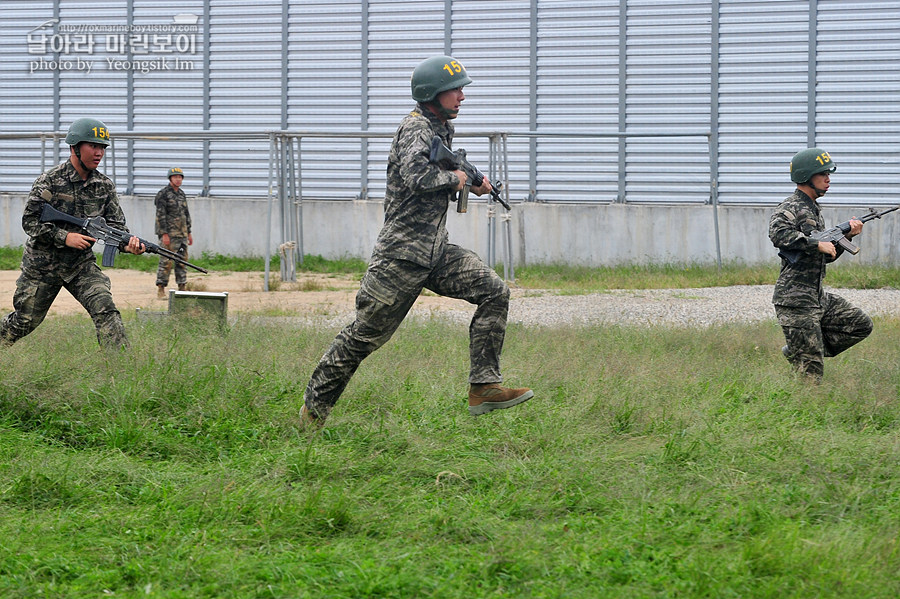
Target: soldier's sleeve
<point x="416" y="168"/>
<point x="786" y="234"/>
<point x="161" y="221"/>
<point x="31" y="218"/>
<point x="187" y="215"/>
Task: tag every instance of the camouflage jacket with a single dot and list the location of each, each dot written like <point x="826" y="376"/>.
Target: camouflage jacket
<point x="799" y="285"/>
<point x="46" y="249"/>
<point x="417" y="194"/>
<point x="172" y="215"/>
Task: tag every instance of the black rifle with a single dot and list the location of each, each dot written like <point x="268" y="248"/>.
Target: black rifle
<point x="836" y="234"/>
<point x="97" y="228"/>
<point x="456" y="161"/>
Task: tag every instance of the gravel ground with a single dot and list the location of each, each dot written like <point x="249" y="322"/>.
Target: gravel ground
<point x="671" y="307"/>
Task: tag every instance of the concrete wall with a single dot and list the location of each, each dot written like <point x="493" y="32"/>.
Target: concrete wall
<point x="583" y="234"/>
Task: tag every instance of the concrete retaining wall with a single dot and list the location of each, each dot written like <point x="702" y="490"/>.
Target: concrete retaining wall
<point x="582" y="234"/>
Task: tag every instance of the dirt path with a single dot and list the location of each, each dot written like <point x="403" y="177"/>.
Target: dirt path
<point x="311" y="295"/>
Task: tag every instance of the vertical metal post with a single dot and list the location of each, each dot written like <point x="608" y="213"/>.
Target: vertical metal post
<point x="129" y="109"/>
<point x="364" y="104"/>
<point x="57" y="125"/>
<point x="291" y="196"/>
<point x="299" y="203"/>
<point x="491" y="209"/>
<point x="812" y="72"/>
<point x="713" y="140"/>
<point x="206" y="103"/>
<point x="448" y="27"/>
<point x="623" y="96"/>
<point x="269" y="203"/>
<point x="502" y="175"/>
<point x="533" y="102"/>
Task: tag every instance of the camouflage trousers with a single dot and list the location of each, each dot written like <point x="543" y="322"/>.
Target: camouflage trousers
<point x="165" y="265"/>
<point x="813" y="334"/>
<point x="35" y="292"/>
<point x="387" y="292"/>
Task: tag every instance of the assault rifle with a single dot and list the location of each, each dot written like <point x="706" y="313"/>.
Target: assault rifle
<point x="836" y="235"/>
<point x="456" y="161"/>
<point x="97" y="228"/>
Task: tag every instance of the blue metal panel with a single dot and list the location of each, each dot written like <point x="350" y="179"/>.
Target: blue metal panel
<point x="667" y="91"/>
<point x="399" y="39"/>
<point x="577" y="91"/>
<point x="245" y="91"/>
<point x="857" y="91"/>
<point x="763" y="50"/>
<point x="324" y="93"/>
<point x="27" y="91"/>
<point x="170" y="99"/>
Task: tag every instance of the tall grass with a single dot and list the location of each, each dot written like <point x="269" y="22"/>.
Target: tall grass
<point x="656" y="462"/>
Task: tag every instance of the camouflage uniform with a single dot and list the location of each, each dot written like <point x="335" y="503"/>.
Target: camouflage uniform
<point x="412" y="252"/>
<point x="48" y="264"/>
<point x="174" y="219"/>
<point x="816" y="324"/>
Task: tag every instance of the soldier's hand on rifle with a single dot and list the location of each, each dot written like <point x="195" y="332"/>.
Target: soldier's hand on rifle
<point x="462" y="180"/>
<point x="135" y="246"/>
<point x="856" y="226"/>
<point x="826" y="247"/>
<point x="79" y="241"/>
<point x="482" y="189"/>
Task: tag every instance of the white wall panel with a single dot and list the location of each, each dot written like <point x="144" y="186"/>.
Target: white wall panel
<point x="324" y="93"/>
<point x="27" y="93"/>
<point x="667" y="91"/>
<point x="763" y="49"/>
<point x="551" y="65"/>
<point x="577" y="92"/>
<point x="857" y="92"/>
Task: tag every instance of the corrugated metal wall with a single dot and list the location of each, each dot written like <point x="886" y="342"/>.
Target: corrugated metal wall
<point x="764" y="77"/>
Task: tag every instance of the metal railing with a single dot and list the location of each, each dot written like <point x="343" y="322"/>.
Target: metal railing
<point x="285" y="180"/>
<point x="286" y="185"/>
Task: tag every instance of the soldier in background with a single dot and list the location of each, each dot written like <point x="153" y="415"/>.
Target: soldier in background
<point x="173" y="227"/>
<point x="816" y="324"/>
<point x="412" y="253"/>
<point x="58" y="255"/>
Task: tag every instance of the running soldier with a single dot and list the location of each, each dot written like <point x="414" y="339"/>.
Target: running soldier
<point x="412" y="253"/>
<point x="816" y="324"/>
<point x="59" y="255"/>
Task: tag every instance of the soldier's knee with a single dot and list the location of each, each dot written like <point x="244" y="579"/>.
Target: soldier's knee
<point x="866" y="327"/>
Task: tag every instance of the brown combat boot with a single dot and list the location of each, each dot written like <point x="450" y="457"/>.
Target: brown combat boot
<point x="491" y="396"/>
<point x="182" y="287"/>
<point x="308" y="421"/>
<point x="160" y="292"/>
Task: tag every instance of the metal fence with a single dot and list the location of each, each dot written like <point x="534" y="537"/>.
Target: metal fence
<point x="285" y="178"/>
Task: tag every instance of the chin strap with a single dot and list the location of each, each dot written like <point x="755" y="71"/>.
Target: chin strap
<point x="443" y="112"/>
<point x="80" y="161"/>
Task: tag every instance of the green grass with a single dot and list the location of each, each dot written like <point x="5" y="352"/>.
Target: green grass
<point x="651" y="463"/>
<point x="580" y="279"/>
<point x="11" y="259"/>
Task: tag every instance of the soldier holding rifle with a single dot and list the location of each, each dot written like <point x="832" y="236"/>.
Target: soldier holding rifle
<point x="412" y="253"/>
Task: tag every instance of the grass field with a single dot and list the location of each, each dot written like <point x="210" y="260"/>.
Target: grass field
<point x="656" y="462"/>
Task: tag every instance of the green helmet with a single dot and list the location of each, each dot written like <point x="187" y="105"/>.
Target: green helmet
<point x="174" y="171"/>
<point x="809" y="162"/>
<point x="89" y="130"/>
<point x="435" y="75"/>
